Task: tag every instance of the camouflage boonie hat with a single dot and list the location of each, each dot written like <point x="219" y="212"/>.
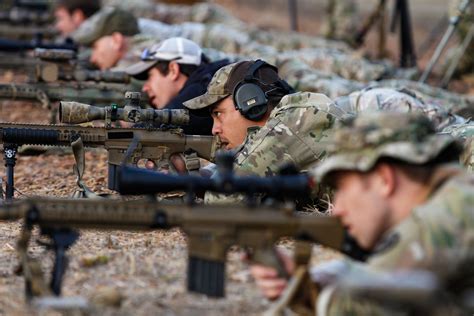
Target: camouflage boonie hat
<point x="359" y="142"/>
<point x="106" y="22"/>
<point x="226" y="79"/>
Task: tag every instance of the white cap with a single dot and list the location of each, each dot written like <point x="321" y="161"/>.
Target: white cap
<point x="179" y="49"/>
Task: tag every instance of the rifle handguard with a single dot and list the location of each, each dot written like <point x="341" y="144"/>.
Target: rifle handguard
<point x="24" y="136"/>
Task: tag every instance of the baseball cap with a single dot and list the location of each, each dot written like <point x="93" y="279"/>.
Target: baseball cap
<point x="359" y="142"/>
<point x="226" y="79"/>
<point x="182" y="50"/>
<point x="105" y="22"/>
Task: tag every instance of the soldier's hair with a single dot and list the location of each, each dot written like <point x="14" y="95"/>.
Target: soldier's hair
<point x="88" y="7"/>
<point x="187" y="70"/>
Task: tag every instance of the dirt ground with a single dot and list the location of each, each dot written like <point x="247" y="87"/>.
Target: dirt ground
<point x="144" y="270"/>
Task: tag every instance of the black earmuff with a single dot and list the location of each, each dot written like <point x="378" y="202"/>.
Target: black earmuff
<point x="249" y="98"/>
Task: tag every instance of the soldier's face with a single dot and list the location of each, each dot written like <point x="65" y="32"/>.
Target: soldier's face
<point x="161" y="89"/>
<point x="360" y="203"/>
<point x="229" y="124"/>
<point x="66" y="23"/>
<point x="105" y="52"/>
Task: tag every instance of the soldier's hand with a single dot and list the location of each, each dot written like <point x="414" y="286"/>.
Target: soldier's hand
<point x="267" y="279"/>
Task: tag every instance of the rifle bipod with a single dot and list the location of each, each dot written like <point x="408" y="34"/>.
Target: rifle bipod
<point x="9" y="151"/>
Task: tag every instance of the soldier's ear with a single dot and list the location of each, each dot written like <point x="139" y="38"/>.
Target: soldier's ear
<point x="386" y="179"/>
<point x="173" y="70"/>
<point x="118" y="40"/>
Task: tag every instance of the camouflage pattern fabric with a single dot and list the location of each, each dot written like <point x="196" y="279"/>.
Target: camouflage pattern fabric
<point x="297" y="132"/>
<point x="465" y="132"/>
<point x="400" y="100"/>
<point x="346" y="65"/>
<point x="341" y="20"/>
<point x="105" y="22"/>
<point x="328" y="60"/>
<point x="359" y="142"/>
<point x="453" y="102"/>
<point x="211" y="14"/>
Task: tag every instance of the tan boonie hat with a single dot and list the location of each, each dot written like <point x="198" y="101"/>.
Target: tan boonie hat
<point x="105" y="22"/>
<point x="359" y="142"/>
<point x="179" y="49"/>
<point x="226" y="79"/>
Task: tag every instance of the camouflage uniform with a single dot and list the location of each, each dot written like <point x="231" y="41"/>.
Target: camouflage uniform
<point x="225" y="25"/>
<point x="465" y="132"/>
<point x="341" y="20"/>
<point x="313" y="53"/>
<point x="295" y="132"/>
<point x="438" y="234"/>
<point x="400" y="100"/>
<point x="336" y="62"/>
<point x="456" y="103"/>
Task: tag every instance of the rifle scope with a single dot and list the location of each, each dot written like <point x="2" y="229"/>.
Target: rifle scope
<point x="138" y="181"/>
<point x="75" y="113"/>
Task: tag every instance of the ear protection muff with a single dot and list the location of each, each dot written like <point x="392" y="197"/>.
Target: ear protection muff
<point x="249" y="98"/>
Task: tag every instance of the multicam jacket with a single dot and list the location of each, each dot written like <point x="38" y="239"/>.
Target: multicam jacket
<point x="296" y="132"/>
<point x="438" y="237"/>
